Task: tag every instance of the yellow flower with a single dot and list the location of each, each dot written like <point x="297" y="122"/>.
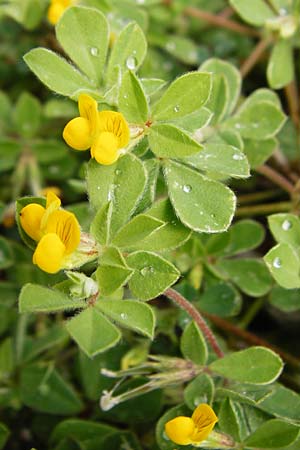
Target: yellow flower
<point x="192" y="430"/>
<point x="56" y="231"/>
<point x="56" y="9"/>
<point x="104" y="132"/>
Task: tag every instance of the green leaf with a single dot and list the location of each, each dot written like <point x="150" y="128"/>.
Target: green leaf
<point x="168" y="141"/>
<point x="121" y="183"/>
<point x="139" y="228"/>
<point x="249" y="274"/>
<point x="153" y="275"/>
<point x="229" y="419"/>
<point x="132" y="314"/>
<point x="185" y="95"/>
<point x="221" y="299"/>
<point x="6" y="254"/>
<point x="232" y="77"/>
<point x="81" y="430"/>
<point x="152" y="167"/>
<point x="93" y="332"/>
<point x="129" y="51"/>
<point x="111" y="278"/>
<point x="200" y="390"/>
<point x="274" y="433"/>
<point x="200" y="203"/>
<point x="286" y="300"/>
<point x="152" y="85"/>
<point x="6" y="359"/>
<point x="244" y="235"/>
<point x="258" y="152"/>
<point x="256" y="13"/>
<point x="35" y="298"/>
<point x="4" y="434"/>
<point x="258" y="120"/>
<point x="262" y="94"/>
<point x="280" y="70"/>
<point x="171" y="235"/>
<point x="282" y="402"/>
<point x="43" y="389"/>
<point x="56" y="73"/>
<point x="182" y="48"/>
<point x="100" y="226"/>
<point x="255" y="365"/>
<point x="193" y="345"/>
<point x="83" y="33"/>
<point x="221" y="158"/>
<point x="27" y="115"/>
<point x="284" y="264"/>
<point x="285" y="228"/>
<point x="132" y="100"/>
<point x="111" y="256"/>
<point x="9" y="152"/>
<point x="219" y="97"/>
<point x="194" y="121"/>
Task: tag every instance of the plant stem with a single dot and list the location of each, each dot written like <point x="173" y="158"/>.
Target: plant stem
<point x="258" y="196"/>
<point x="261" y="210"/>
<point x="254" y="57"/>
<point x="251" y="312"/>
<point x="197" y="317"/>
<point x="276" y="177"/>
<point x="291" y="93"/>
<point x="251" y="338"/>
<point x="220" y="21"/>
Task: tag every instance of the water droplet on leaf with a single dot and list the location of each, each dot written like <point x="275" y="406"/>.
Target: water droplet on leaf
<point x="131" y="62"/>
<point x="237" y="157"/>
<point x="277" y="263"/>
<point x="176" y="108"/>
<point x="286" y="225"/>
<point x="94" y="51"/>
<point x="187" y="188"/>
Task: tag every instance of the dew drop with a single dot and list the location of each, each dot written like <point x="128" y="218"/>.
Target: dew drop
<point x="238" y="125"/>
<point x="277" y="263"/>
<point x="117" y="171"/>
<point x="187" y="188"/>
<point x="237" y="157"/>
<point x="131" y="62"/>
<point x="286" y="225"/>
<point x="123" y="316"/>
<point x="94" y="51"/>
<point x="140" y="2"/>
<point x="146" y="270"/>
<point x="98" y="188"/>
<point x="176" y="108"/>
<point x="282" y="12"/>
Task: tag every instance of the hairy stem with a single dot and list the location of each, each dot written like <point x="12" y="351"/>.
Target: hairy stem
<point x="197" y="317"/>
<point x="276" y="177"/>
<point x="220" y="21"/>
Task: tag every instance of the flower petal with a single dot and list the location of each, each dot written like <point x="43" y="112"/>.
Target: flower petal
<point x="30" y="219"/>
<point x="105" y="148"/>
<point x="49" y="253"/>
<point x="204" y="419"/>
<point x="115" y="123"/>
<point x="180" y="430"/>
<point x="88" y="109"/>
<point x="65" y="225"/>
<point x="78" y="133"/>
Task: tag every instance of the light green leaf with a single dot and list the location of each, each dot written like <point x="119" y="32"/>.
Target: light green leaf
<point x="139" y="228"/>
<point x="7" y="356"/>
<point x="153" y="274"/>
<point x="132" y="100"/>
<point x="131" y="314"/>
<point x="83" y="33"/>
<point x="232" y="76"/>
<point x="152" y="85"/>
<point x="171" y="235"/>
<point x="193" y="345"/>
<point x="219" y="97"/>
<point x="280" y="71"/>
<point x="81" y="430"/>
<point x="185" y="95"/>
<point x="287" y="300"/>
<point x="200" y="203"/>
<point x="244" y="235"/>
<point x="249" y="274"/>
<point x="256" y="12"/>
<point x="194" y="121"/>
<point x="110" y="278"/>
<point x="282" y="402"/>
<point x="168" y="141"/>
<point x="111" y="256"/>
<point x="285" y="228"/>
<point x="93" y="332"/>
<point x="9" y="152"/>
<point x="221" y="299"/>
<point x="182" y="48"/>
<point x="100" y="226"/>
<point x="35" y="298"/>
<point x="221" y="158"/>
<point x="129" y="51"/>
<point x="200" y="390"/>
<point x="229" y="419"/>
<point x="152" y="167"/>
<point x="56" y="73"/>
<point x="6" y="254"/>
<point x="274" y="433"/>
<point x="258" y="120"/>
<point x="284" y="264"/>
<point x="259" y="95"/>
<point x="258" y="152"/>
<point x="27" y="115"/>
<point x="255" y="365"/>
<point x="121" y="183"/>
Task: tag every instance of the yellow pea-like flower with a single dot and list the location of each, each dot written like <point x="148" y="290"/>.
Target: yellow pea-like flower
<point x="192" y="430"/>
<point x="57" y="232"/>
<point x="104" y="132"/>
<point x="56" y="9"/>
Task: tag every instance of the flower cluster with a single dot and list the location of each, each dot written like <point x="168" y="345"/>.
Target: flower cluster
<point x="192" y="430"/>
<point x="56" y="9"/>
<point x="56" y="231"/>
<point x="106" y="133"/>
